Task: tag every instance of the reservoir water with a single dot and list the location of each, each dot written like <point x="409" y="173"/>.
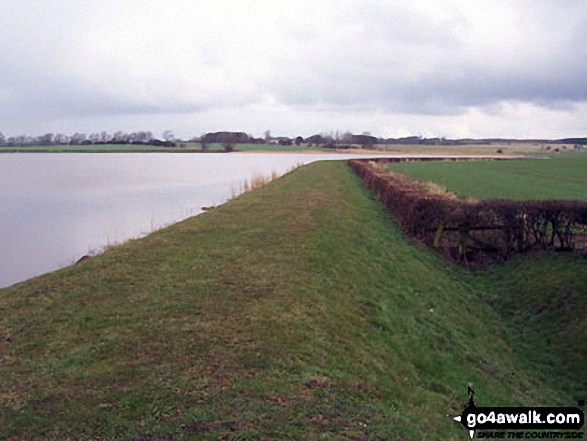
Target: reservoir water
<point x="57" y="207"/>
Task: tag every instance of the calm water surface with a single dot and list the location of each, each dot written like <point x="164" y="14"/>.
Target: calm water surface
<point x="54" y="208"/>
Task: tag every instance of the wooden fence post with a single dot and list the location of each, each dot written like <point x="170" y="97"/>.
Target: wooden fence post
<point x="438" y="234"/>
<point x="463" y="238"/>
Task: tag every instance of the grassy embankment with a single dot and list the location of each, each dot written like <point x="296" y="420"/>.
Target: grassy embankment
<point x="561" y="177"/>
<point x="296" y="311"/>
<point x="543" y="301"/>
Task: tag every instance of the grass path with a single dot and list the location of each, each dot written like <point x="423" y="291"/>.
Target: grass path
<point x="297" y="311"/>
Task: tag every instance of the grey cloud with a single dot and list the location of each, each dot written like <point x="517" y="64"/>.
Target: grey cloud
<point x="398" y="62"/>
<point x="49" y="94"/>
<point x="400" y="23"/>
<point x="71" y="59"/>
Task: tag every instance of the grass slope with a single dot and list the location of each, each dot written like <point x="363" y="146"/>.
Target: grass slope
<point x="297" y="311"/>
<point x="562" y="177"/>
<point x="543" y="299"/>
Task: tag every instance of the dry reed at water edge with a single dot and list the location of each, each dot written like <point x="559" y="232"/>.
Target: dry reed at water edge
<point x="258" y="180"/>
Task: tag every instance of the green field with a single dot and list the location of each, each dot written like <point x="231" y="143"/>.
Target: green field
<point x="561" y="177"/>
<point x="296" y="311"/>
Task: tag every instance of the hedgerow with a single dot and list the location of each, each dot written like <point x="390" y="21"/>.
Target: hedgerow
<point x="472" y="231"/>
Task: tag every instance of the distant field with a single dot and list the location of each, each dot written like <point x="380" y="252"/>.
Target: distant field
<point x="520" y="149"/>
<point x="87" y="148"/>
<point x="562" y="177"/>
<point x="195" y="147"/>
<point x="258" y="147"/>
<point x="505" y="148"/>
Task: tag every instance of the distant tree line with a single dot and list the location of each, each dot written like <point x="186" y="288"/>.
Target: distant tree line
<point x="576" y="141"/>
<point x="78" y="138"/>
<point x="335" y="140"/>
<point x="327" y="140"/>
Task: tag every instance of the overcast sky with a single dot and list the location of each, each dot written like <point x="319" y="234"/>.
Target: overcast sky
<point x="454" y="68"/>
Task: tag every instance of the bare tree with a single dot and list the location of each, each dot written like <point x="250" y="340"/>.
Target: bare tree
<point x="347" y="137"/>
<point x="168" y="135"/>
<point x="77" y="138"/>
<point x="46" y="139"/>
<point x="120" y="137"/>
<point x="61" y="139"/>
<point x="133" y="137"/>
<point x="2" y="138"/>
<point x="229" y="141"/>
<point x="144" y="136"/>
<point x="105" y="137"/>
<point x="328" y="139"/>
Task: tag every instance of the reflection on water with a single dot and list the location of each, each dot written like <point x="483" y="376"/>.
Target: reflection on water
<point x="54" y="208"/>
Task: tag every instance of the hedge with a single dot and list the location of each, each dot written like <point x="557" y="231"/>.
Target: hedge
<point x="472" y="231"/>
